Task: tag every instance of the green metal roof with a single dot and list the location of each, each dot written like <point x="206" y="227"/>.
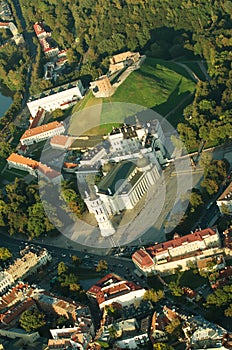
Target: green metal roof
<point x="119" y="172"/>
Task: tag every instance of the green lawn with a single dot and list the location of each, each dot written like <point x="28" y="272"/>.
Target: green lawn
<point x="158" y="84"/>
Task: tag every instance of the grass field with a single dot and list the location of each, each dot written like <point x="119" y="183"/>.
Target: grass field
<point x="158" y="84"/>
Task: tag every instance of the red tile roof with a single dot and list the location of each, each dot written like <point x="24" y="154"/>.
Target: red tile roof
<point x="38" y="28"/>
<point x="142" y="258"/>
<point x="16" y="311"/>
<point x="177" y="242"/>
<point x="38" y="118"/>
<point x="47" y="171"/>
<point x="111" y="286"/>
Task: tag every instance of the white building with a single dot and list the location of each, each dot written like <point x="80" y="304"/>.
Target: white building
<point x="165" y="257"/>
<point x="34" y="168"/>
<point x="42" y="132"/>
<point x="133" y="151"/>
<point x="6" y="280"/>
<point x="61" y="97"/>
<point x="113" y="288"/>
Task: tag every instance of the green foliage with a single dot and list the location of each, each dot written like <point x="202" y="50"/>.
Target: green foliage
<point x="32" y="320"/>
<point x="61" y="268"/>
<point x="5" y="254"/>
<point x="174" y="327"/>
<point x="162" y="346"/>
<point x="102" y="266"/>
<point x="221" y="298"/>
<point x="153" y="295"/>
<point x="215" y="174"/>
<point x="5" y="149"/>
<point x="71" y="196"/>
<point x="76" y="260"/>
<point x="175" y="289"/>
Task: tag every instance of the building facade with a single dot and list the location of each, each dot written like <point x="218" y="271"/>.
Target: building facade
<point x="6" y="280"/>
<point x="61" y="97"/>
<point x="165" y="257"/>
<point x="41" y="133"/>
<point x="34" y="168"/>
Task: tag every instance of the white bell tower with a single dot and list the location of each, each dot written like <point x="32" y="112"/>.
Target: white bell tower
<point x="97" y="207"/>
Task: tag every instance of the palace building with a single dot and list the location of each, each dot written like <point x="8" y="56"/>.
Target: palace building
<point x="135" y="154"/>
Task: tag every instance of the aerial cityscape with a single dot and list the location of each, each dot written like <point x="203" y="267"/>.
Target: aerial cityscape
<point x="115" y="175"/>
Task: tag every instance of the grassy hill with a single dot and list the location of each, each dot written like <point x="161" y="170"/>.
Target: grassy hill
<point x="163" y="86"/>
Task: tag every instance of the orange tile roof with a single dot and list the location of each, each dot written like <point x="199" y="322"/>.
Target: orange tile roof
<point x="42" y="168"/>
<point x="41" y="129"/>
<point x="17" y="158"/>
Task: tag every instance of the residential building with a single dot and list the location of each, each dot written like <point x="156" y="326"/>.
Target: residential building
<point x="76" y="337"/>
<point x="12" y="333"/>
<point x="11" y="316"/>
<point x="62" y="97"/>
<point x="102" y="87"/>
<point x="14" y="295"/>
<point x="34" y="168"/>
<point x="75" y="312"/>
<point x="30" y="262"/>
<point x="167" y="256"/>
<point x="41" y="133"/>
<point x="224" y="202"/>
<point x="216" y="262"/>
<point x="6" y="280"/>
<point x="113" y="288"/>
<point x="202" y="334"/>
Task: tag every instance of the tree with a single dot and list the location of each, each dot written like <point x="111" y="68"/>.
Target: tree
<point x="196" y="199"/>
<point x="5" y="149"/>
<point x="175" y="289"/>
<point x="76" y="260"/>
<point x="153" y="295"/>
<point x="102" y="266"/>
<point x="228" y="311"/>
<point x="174" y="327"/>
<point x="32" y="320"/>
<point x="5" y="254"/>
<point x="162" y="346"/>
<point x="62" y="268"/>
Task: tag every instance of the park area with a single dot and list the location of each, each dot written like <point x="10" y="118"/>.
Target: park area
<point x="163" y="86"/>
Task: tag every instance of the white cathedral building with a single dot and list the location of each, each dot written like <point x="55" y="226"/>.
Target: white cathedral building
<point x="136" y="154"/>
